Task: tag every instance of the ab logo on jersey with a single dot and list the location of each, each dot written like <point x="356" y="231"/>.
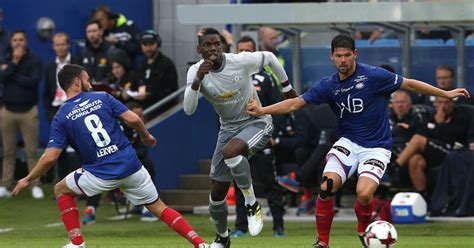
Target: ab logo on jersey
<point x="353" y="105"/>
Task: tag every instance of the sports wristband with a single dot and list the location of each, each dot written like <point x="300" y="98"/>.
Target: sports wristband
<point x="286" y="87"/>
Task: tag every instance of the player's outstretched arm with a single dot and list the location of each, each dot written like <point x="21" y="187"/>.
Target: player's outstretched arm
<point x="427" y="89"/>
<point x="47" y="160"/>
<point x="134" y="121"/>
<point x="283" y="107"/>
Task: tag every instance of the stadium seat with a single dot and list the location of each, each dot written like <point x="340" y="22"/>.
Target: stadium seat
<point x="450" y="42"/>
<point x="429" y="42"/>
<point x="386" y="42"/>
<point x="467" y="42"/>
<point x="362" y="43"/>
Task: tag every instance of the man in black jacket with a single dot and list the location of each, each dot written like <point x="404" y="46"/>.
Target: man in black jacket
<point x="4" y="38"/>
<point x="447" y="130"/>
<point x="95" y="54"/>
<point x="157" y="72"/>
<point x="54" y="96"/>
<point x="20" y="75"/>
<point x="118" y="31"/>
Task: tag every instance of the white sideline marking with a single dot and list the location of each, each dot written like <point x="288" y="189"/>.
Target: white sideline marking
<point x="120" y="217"/>
<point x="4" y="230"/>
<point x="54" y="224"/>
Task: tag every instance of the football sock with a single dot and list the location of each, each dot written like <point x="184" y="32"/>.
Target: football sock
<point x="324" y="217"/>
<point x="70" y="215"/>
<point x="306" y="194"/>
<point x="363" y="213"/>
<point x="219" y="212"/>
<point x="240" y="170"/>
<point x="176" y="222"/>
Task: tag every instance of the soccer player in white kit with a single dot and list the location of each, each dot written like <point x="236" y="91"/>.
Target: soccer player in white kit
<point x="358" y="94"/>
<point x="225" y="81"/>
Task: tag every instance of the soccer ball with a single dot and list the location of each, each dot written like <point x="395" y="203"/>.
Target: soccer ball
<point x="380" y="234"/>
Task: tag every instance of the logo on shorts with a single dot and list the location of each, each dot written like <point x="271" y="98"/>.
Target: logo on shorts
<point x="376" y="163"/>
<point x="342" y="149"/>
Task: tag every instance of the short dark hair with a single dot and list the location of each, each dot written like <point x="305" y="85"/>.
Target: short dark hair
<point x="58" y="34"/>
<point x="247" y="38"/>
<point x="387" y="67"/>
<point x="19" y="31"/>
<point x="446" y="68"/>
<point x="91" y="22"/>
<point x="207" y="31"/>
<point x="342" y="41"/>
<point x="68" y="73"/>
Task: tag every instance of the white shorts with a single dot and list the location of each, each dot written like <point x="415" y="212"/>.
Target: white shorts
<point x="138" y="187"/>
<point x="369" y="162"/>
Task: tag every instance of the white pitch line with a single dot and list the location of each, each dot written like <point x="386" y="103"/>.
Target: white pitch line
<point x="54" y="224"/>
<point x="4" y="230"/>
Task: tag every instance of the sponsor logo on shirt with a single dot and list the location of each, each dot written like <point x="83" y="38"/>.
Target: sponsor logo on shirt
<point x="353" y="105"/>
<point x="236" y="78"/>
<point x="359" y="86"/>
<point x="227" y="95"/>
<point x="82" y="109"/>
<point x="360" y="79"/>
<point x="342" y="90"/>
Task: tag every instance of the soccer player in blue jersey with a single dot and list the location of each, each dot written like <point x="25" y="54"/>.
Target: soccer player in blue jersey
<point x="358" y="94"/>
<point x="88" y="122"/>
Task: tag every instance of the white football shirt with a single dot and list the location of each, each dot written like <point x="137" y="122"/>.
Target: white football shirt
<point x="230" y="87"/>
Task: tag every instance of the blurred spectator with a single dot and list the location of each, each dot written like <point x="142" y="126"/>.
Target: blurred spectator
<point x="119" y="31"/>
<point x="380" y="33"/>
<point x="20" y="76"/>
<point x="54" y="96"/>
<point x="226" y="41"/>
<point x="445" y="79"/>
<point x="4" y="38"/>
<point x="429" y="33"/>
<point x="4" y="49"/>
<point x="95" y="54"/>
<point x="405" y="123"/>
<point x="268" y="41"/>
<point x="157" y="73"/>
<point x="447" y="130"/>
<point x="453" y="189"/>
<point x="262" y="163"/>
<point x="123" y="78"/>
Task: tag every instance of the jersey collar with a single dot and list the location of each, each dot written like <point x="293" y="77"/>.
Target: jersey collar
<point x="336" y="75"/>
<point x="222" y="65"/>
<point x="75" y="97"/>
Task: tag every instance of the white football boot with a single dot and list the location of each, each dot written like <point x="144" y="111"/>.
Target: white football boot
<point x="254" y="218"/>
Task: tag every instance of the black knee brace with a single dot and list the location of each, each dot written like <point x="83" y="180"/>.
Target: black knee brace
<point x="328" y="192"/>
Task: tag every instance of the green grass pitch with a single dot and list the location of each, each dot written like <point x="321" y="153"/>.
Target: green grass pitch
<point x="25" y="222"/>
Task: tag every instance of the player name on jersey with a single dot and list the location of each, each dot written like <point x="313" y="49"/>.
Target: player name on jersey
<point x="107" y="151"/>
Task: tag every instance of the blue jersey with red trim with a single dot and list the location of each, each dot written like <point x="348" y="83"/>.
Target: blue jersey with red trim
<point x="360" y="102"/>
<point x="88" y="122"/>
